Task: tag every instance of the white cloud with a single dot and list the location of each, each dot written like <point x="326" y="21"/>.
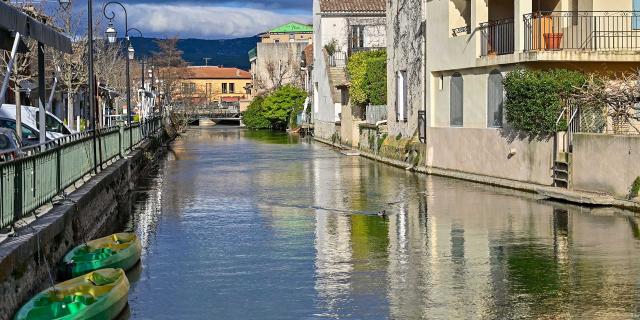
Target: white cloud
<point x="199" y="21"/>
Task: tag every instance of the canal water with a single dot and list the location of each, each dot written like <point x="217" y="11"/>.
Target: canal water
<point x="251" y="225"/>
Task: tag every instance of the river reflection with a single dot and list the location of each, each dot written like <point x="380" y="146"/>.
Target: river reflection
<point x="246" y="225"/>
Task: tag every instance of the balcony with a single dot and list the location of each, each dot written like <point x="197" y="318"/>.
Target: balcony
<point x="497" y="37"/>
<point x="582" y="31"/>
<point x="564" y="31"/>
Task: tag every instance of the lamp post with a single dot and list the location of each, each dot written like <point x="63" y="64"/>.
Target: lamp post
<point x="91" y="80"/>
<point x="111" y="34"/>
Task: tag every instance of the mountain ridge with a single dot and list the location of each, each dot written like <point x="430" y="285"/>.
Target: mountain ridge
<point x="225" y="52"/>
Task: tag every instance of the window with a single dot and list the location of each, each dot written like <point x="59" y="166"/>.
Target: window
<point x="51" y="124"/>
<point x="192" y="87"/>
<point x="636" y="15"/>
<point x="456" y="100"/>
<point x="209" y="89"/>
<point x="495" y="99"/>
<point x="357" y="37"/>
<point x="401" y="96"/>
<point x="232" y="87"/>
<point x="224" y="88"/>
<point x="185" y="88"/>
<point x="460" y="14"/>
<point x="27" y="133"/>
<point x="292" y="37"/>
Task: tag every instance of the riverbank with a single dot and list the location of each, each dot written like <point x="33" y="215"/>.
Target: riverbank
<point x="553" y="193"/>
<point x="99" y="207"/>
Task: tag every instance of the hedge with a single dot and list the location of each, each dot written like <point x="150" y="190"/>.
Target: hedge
<point x="534" y="98"/>
<point x="367" y="74"/>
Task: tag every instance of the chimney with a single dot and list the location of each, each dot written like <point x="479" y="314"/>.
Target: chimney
<point x="237" y="72"/>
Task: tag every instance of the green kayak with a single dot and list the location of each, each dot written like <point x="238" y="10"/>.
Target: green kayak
<point x="120" y="250"/>
<point x="100" y="295"/>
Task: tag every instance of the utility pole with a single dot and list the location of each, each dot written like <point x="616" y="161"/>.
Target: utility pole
<point x="206" y="61"/>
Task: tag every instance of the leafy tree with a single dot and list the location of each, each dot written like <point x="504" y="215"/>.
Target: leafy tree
<point x="535" y="97"/>
<point x="367" y="72"/>
<point x="281" y="106"/>
<point x="254" y="118"/>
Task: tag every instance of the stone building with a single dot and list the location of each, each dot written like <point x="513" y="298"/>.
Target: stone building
<point x="341" y="28"/>
<point x="405" y="67"/>
<point x="276" y="60"/>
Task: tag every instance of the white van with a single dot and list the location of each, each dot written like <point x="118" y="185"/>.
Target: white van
<point x="55" y="128"/>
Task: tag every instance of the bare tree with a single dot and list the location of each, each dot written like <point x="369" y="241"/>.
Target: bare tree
<point x="617" y="99"/>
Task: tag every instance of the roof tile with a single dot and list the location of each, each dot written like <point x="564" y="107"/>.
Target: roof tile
<point x="357" y="6"/>
<point x="215" y="72"/>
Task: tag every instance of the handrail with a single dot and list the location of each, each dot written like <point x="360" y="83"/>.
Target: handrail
<point x="44" y="171"/>
<point x="560" y="117"/>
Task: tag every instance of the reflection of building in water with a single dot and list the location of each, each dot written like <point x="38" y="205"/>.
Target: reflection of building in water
<point x="148" y="211"/>
<point x="464" y="251"/>
<point x="333" y="241"/>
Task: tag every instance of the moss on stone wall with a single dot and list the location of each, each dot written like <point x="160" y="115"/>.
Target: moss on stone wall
<point x="408" y="150"/>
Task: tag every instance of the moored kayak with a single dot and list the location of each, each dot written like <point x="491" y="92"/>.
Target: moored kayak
<point x="99" y="295"/>
<point x="120" y="250"/>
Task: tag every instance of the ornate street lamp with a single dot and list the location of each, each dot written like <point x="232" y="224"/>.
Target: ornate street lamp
<point x="111" y="36"/>
<point x="111" y="33"/>
<point x="131" y="52"/>
<point x="65" y="4"/>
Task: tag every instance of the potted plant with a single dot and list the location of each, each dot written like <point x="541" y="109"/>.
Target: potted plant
<point x="553" y="41"/>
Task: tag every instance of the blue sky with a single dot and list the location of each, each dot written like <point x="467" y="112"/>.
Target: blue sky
<point x="212" y="19"/>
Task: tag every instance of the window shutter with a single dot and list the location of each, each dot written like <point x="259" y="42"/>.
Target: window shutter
<point x="456" y="101"/>
<point x="405" y="103"/>
<point x="495" y="99"/>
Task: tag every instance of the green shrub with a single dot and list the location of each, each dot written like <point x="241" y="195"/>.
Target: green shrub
<point x="375" y="81"/>
<point x="534" y="98"/>
<point x="281" y="106"/>
<point x="635" y="188"/>
<point x="254" y="118"/>
<point x="331" y="47"/>
<point x="368" y="74"/>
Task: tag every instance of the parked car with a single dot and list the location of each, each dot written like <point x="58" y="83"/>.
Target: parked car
<point x="9" y="145"/>
<point x="55" y="128"/>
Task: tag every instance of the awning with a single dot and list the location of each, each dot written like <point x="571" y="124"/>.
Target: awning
<point x="230" y="99"/>
<point x="12" y="19"/>
<point x="6" y="42"/>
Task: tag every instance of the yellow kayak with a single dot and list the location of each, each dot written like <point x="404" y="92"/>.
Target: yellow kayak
<point x="120" y="250"/>
<point x="99" y="295"/>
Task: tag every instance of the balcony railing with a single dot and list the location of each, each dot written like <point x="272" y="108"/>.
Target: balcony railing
<point x="461" y="31"/>
<point x="497" y="37"/>
<point x="582" y="30"/>
<point x="338" y="59"/>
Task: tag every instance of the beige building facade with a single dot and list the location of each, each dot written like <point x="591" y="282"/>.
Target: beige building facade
<point x="472" y="44"/>
<point x="213" y="85"/>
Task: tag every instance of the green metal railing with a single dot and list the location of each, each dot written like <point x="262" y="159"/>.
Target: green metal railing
<point x="46" y="170"/>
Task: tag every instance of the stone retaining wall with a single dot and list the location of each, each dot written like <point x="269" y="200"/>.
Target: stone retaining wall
<point x="100" y="207"/>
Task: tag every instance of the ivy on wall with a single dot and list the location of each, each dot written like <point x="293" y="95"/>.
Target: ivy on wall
<point x="534" y="98"/>
<point x="368" y="76"/>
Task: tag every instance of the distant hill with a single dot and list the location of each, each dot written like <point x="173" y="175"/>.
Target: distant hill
<point x="229" y="52"/>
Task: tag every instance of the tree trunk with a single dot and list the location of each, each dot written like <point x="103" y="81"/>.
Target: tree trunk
<point x="71" y="121"/>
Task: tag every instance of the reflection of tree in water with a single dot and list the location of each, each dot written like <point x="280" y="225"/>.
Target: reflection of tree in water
<point x="271" y="137"/>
